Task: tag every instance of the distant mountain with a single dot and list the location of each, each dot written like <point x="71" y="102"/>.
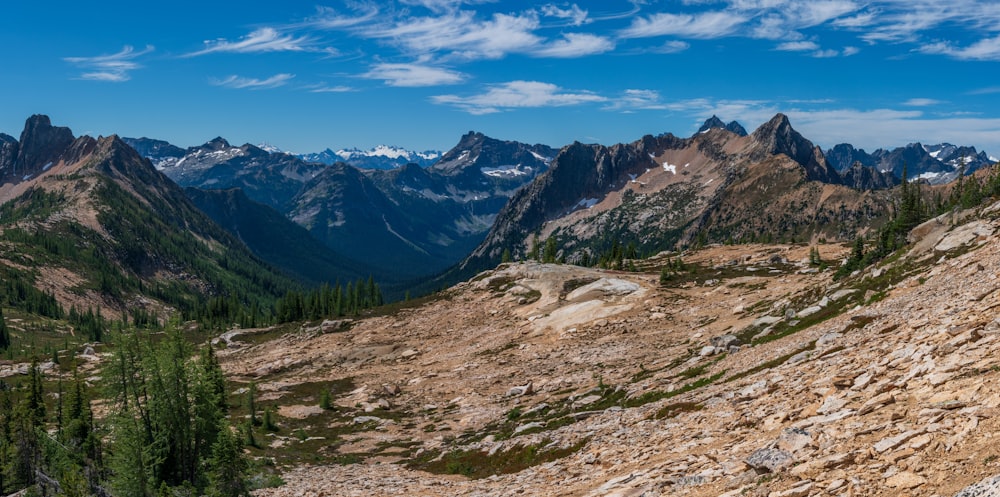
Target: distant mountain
<point x="715" y="122"/>
<point x="414" y="219"/>
<point x="418" y="220"/>
<point x="163" y="154"/>
<point x="272" y="179"/>
<point x="667" y="193"/>
<point x="844" y="155"/>
<point x="936" y="164"/>
<point x="380" y="157"/>
<point x="92" y="223"/>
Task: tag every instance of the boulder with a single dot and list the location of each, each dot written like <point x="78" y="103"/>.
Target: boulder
<point x="989" y="487"/>
<point x="725" y="341"/>
<point x="768" y="460"/>
<point x="518" y="391"/>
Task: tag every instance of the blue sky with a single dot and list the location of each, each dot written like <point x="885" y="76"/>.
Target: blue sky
<point x="304" y="76"/>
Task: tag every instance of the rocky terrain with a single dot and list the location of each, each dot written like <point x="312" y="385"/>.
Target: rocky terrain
<point x="747" y="371"/>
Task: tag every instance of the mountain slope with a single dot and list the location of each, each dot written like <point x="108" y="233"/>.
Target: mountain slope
<point x="665" y="193"/>
<point x="93" y="223"/>
<point x="276" y="239"/>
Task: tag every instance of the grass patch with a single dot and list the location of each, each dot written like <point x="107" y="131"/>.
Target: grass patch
<point x="673" y="410"/>
<point x="773" y="363"/>
<point x="477" y="464"/>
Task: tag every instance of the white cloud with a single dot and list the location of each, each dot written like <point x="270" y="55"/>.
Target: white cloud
<point x="860" y="20"/>
<point x="574" y="14"/>
<point x="985" y="91"/>
<point x="985" y="49"/>
<point x="411" y="75"/>
<point x="637" y="100"/>
<point x="702" y="25"/>
<point x="672" y="46"/>
<point x="849" y="51"/>
<point x="112" y="68"/>
<point x="240" y="82"/>
<point x="435" y="5"/>
<point x="797" y="46"/>
<point x="260" y="40"/>
<point x="816" y="12"/>
<point x="328" y="18"/>
<point x="824" y="54"/>
<point x="462" y="35"/>
<point x="518" y="94"/>
<point x="328" y="89"/>
<point x="921" y="102"/>
<point x="576" y="45"/>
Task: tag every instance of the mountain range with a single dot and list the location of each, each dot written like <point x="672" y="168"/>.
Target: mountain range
<point x="403" y="223"/>
<point x="666" y="193"/>
<point x="379" y="157"/>
<point x="90" y="222"/>
<point x="317" y="222"/>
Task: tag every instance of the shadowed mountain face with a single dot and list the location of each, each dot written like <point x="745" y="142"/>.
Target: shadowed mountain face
<point x="277" y="240"/>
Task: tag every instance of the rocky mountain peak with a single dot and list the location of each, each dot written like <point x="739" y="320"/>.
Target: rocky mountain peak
<point x="217" y="143"/>
<point x="737" y="128"/>
<point x="8" y="152"/>
<point x="715" y="122"/>
<point x="40" y="144"/>
<point x="712" y="122"/>
<point x="778" y="137"/>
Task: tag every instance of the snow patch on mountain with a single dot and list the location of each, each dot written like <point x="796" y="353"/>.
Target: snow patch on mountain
<point x="388" y="152"/>
<point x="271" y="149"/>
<point x="506" y="171"/>
<point x="542" y="158"/>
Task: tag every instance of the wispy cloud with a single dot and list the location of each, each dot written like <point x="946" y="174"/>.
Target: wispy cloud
<point x="461" y="35"/>
<point x="797" y="46"/>
<point x="921" y="102"/>
<point x="985" y="91"/>
<point x="258" y="41"/>
<point x="703" y="25"/>
<point x="413" y="75"/>
<point x="672" y="46"/>
<point x="323" y="88"/>
<point x="986" y="49"/>
<point x="634" y="99"/>
<point x="576" y="45"/>
<point x="573" y="13"/>
<point x="240" y="82"/>
<point x="114" y="68"/>
<point x="518" y="94"/>
<point x="328" y="18"/>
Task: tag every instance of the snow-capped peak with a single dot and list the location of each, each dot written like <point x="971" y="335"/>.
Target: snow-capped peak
<point x="271" y="149"/>
<point x="388" y="152"/>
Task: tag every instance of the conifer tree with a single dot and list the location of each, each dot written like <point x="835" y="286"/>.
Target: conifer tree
<point x="4" y="334"/>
